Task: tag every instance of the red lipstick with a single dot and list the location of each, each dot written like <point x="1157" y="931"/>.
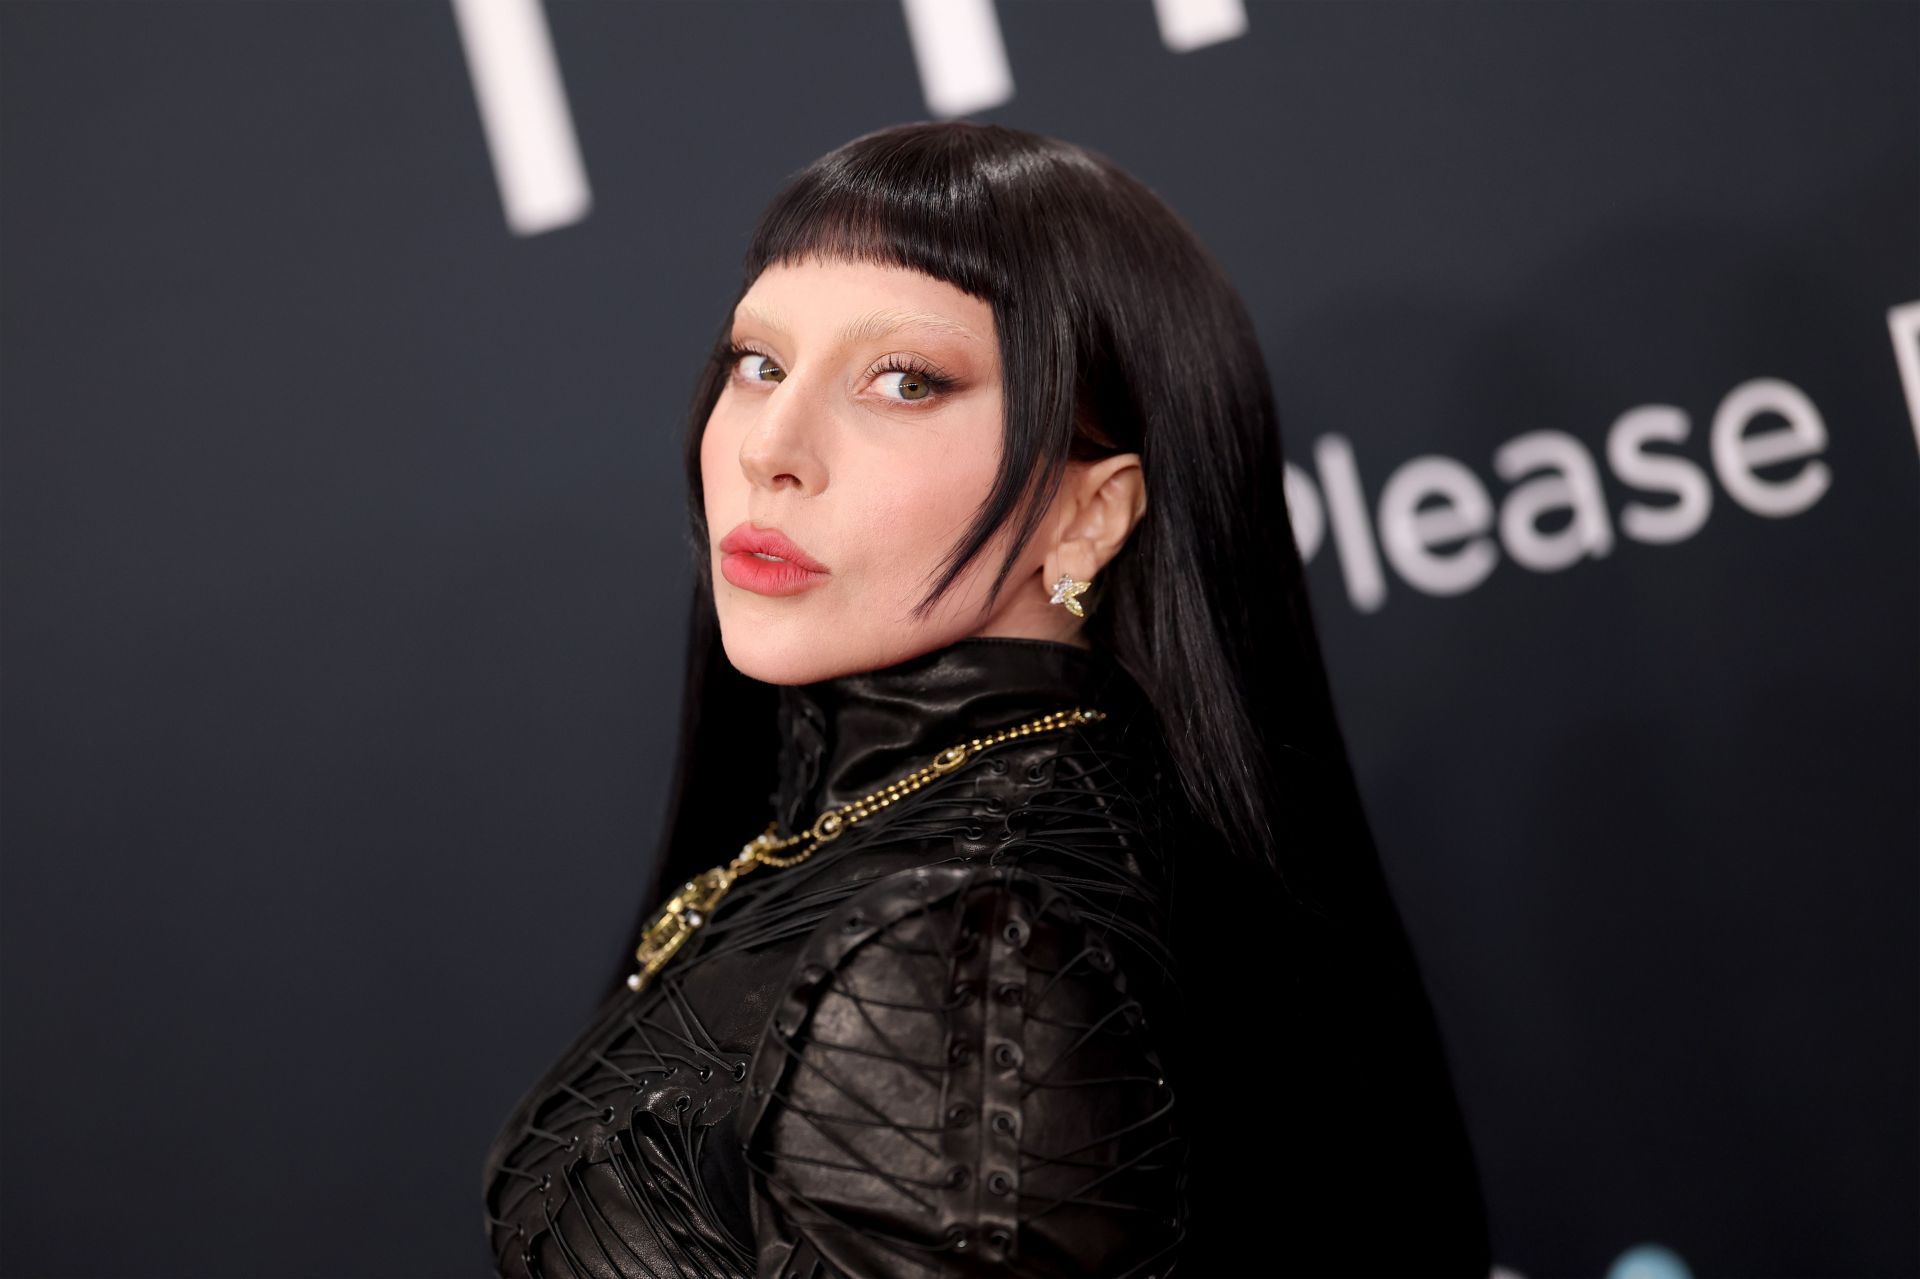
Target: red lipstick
<point x="746" y="563"/>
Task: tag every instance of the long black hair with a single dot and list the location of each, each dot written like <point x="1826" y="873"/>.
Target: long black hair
<point x="1119" y="332"/>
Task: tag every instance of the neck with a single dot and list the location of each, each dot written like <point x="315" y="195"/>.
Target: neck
<point x="845" y="737"/>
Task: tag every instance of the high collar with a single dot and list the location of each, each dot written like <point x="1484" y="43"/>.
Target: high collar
<point x="844" y="737"/>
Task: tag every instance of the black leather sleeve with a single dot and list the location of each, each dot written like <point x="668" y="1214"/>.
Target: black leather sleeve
<point x="957" y="1081"/>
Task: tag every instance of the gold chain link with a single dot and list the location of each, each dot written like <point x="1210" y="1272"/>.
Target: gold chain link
<point x="689" y="908"/>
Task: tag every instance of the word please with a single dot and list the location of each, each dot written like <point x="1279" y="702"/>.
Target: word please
<point x="1439" y="530"/>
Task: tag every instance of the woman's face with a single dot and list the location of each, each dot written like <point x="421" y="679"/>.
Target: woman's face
<point x="861" y="422"/>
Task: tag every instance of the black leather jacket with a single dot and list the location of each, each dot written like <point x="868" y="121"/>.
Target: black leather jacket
<point x="949" y="1043"/>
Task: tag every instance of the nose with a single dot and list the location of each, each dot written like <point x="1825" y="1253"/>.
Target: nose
<point x="781" y="448"/>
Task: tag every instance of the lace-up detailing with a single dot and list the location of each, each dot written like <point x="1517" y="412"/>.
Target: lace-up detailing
<point x="981" y="971"/>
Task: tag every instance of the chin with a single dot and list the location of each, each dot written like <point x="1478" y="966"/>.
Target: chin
<point x="778" y="648"/>
<point x="777" y="651"/>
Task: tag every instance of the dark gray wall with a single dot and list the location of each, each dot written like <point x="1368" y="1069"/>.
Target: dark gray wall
<point x="343" y="578"/>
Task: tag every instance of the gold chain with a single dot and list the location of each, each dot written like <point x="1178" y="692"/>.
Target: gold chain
<point x="694" y="904"/>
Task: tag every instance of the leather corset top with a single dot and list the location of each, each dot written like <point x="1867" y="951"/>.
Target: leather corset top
<point x="928" y="1049"/>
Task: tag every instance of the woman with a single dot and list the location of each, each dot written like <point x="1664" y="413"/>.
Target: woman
<point x="1065" y="949"/>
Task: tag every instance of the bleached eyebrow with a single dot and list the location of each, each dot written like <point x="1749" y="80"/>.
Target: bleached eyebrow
<point x="872" y="325"/>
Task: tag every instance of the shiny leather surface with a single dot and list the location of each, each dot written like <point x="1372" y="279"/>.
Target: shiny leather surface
<point x="930" y="1049"/>
<point x="955" y="1040"/>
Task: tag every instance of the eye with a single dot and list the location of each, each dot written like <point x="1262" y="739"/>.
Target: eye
<point x="917" y="380"/>
<point x="735" y="353"/>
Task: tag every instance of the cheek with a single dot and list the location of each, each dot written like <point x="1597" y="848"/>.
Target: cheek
<point x="914" y="515"/>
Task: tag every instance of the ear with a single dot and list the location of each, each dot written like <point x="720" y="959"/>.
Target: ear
<point x="1100" y="502"/>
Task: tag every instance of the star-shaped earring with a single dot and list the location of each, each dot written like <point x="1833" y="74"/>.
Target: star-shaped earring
<point x="1066" y="591"/>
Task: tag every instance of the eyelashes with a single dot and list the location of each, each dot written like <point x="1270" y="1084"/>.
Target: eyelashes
<point x="937" y="382"/>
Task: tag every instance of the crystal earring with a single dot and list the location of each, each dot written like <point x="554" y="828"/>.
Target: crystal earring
<point x="1066" y="591"/>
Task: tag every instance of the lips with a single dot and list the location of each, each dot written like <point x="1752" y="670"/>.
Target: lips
<point x="768" y="541"/>
<point x="745" y="562"/>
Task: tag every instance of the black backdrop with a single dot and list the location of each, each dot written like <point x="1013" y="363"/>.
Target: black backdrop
<point x="342" y="564"/>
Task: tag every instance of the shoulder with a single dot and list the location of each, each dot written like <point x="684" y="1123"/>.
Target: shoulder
<point x="958" y="1075"/>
